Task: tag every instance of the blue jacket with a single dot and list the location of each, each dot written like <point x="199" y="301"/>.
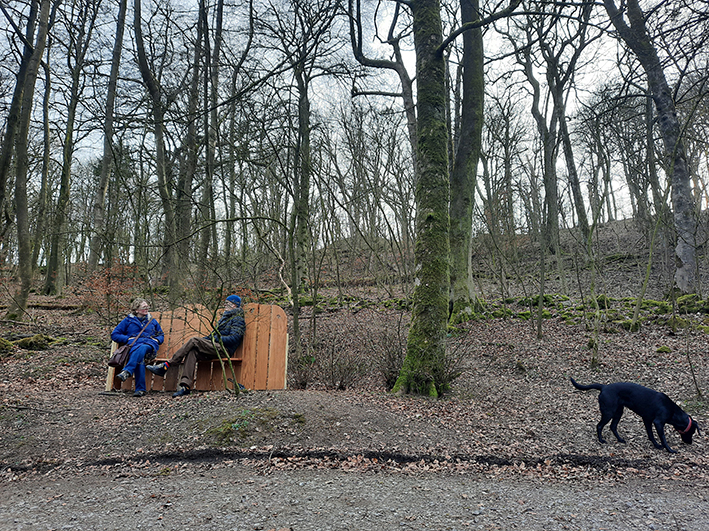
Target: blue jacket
<point x="230" y="329"/>
<point x="131" y="326"/>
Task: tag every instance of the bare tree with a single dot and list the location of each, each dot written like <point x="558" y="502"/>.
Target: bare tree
<point x="99" y="200"/>
<point x="398" y="33"/>
<point x="80" y="23"/>
<point x="561" y="50"/>
<point x="13" y="117"/>
<point x="19" y="302"/>
<point x="169" y="262"/>
<point x="425" y="369"/>
<point x="631" y="27"/>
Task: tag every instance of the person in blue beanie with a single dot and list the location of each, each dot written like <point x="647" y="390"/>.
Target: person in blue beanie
<point x="145" y="336"/>
<point x="222" y="341"/>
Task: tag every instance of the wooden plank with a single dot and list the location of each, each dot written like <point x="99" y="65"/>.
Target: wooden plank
<point x="110" y="376"/>
<point x="278" y="349"/>
<point x="217" y="373"/>
<point x="111" y="373"/>
<point x="206" y="320"/>
<point x="263" y="331"/>
<point x="203" y="376"/>
<point x="171" y="378"/>
<point x="248" y="347"/>
<point x="180" y="325"/>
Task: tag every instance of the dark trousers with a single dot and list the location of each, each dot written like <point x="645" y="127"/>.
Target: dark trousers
<point x="197" y="348"/>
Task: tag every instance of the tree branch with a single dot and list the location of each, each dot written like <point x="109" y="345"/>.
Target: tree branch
<point x="477" y="24"/>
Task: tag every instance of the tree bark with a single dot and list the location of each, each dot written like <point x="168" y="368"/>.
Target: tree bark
<point x="637" y="39"/>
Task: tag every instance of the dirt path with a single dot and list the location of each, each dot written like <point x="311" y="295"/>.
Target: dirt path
<point x="233" y="496"/>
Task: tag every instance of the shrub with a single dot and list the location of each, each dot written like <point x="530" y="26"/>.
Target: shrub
<point x="301" y="369"/>
<point x="389" y="347"/>
<point x="109" y="291"/>
<point x="342" y="369"/>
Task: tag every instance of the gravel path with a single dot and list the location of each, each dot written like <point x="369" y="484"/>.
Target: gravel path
<point x="234" y="496"/>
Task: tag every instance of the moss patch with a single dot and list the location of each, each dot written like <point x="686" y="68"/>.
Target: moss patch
<point x="36" y="342"/>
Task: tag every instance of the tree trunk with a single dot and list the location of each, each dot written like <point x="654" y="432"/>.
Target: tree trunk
<point x="170" y="271"/>
<point x="211" y="120"/>
<point x="189" y="162"/>
<point x="13" y="117"/>
<point x="55" y="278"/>
<point x="464" y="171"/>
<point x="547" y="136"/>
<point x="99" y="202"/>
<point x="573" y="176"/>
<point x="426" y="347"/>
<point x="82" y="27"/>
<point x="560" y="71"/>
<point x="24" y="253"/>
<point x="637" y="39"/>
<point x="301" y="204"/>
<point x="46" y="153"/>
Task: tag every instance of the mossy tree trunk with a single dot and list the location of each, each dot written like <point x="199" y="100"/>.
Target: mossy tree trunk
<point x="425" y="357"/>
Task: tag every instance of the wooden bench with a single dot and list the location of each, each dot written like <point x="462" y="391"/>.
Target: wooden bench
<point x="260" y="362"/>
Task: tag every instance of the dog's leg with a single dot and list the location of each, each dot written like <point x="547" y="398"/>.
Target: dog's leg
<point x="650" y="435"/>
<point x="599" y="427"/>
<point x="614" y="425"/>
<point x="608" y="405"/>
<point x="660" y="427"/>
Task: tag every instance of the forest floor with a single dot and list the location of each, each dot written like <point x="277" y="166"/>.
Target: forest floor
<point x="513" y="446"/>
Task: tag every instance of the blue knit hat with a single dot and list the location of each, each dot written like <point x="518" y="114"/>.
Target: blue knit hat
<point x="234" y="299"/>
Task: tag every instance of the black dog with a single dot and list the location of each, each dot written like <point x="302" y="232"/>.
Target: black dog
<point x="653" y="407"/>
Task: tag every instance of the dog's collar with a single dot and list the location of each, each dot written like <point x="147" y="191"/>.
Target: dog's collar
<point x="682" y="432"/>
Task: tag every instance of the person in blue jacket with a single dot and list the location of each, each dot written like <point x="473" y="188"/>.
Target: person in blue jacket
<point x="145" y="348"/>
<point x="222" y="341"/>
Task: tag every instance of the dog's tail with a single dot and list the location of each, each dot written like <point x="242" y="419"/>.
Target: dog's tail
<point x="597" y="386"/>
